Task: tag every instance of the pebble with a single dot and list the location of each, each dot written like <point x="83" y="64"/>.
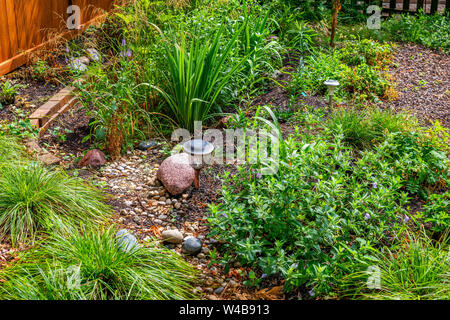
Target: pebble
<point x="128" y="203"/>
<point x="145" y="145"/>
<point x="192" y="245"/>
<point x="126" y="240"/>
<point x="219" y="290"/>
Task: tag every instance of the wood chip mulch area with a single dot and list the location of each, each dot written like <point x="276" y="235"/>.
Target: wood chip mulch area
<point x="423" y="83"/>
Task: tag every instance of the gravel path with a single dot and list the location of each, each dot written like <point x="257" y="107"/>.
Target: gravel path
<point x="423" y="83"/>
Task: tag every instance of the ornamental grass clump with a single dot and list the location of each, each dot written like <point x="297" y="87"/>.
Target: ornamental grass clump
<point x="92" y="265"/>
<point x="10" y="150"/>
<point x="418" y="269"/>
<point x="369" y="127"/>
<point x="34" y="199"/>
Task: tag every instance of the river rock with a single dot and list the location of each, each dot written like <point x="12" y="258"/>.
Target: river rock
<point x="126" y="241"/>
<point x="172" y="236"/>
<point x="93" y="54"/>
<point x="192" y="245"/>
<point x="176" y="174"/>
<point x="145" y="145"/>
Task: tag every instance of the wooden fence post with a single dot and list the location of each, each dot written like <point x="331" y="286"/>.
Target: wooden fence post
<point x="392" y="4"/>
<point x="434" y="6"/>
<point x="419" y="5"/>
<point x="406" y="5"/>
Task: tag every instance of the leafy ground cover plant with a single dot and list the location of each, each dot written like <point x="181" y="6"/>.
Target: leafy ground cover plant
<point x="8" y="93"/>
<point x="357" y="67"/>
<point x="437" y="212"/>
<point x="414" y="157"/>
<point x="346" y="207"/>
<point x="34" y="199"/>
<point x="91" y="265"/>
<point x="364" y="51"/>
<point x="416" y="269"/>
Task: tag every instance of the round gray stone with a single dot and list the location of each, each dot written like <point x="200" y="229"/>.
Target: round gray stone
<point x="126" y="241"/>
<point x="192" y="245"/>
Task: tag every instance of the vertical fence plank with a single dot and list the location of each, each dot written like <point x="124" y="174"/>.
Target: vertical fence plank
<point x="6" y="30"/>
<point x="406" y="5"/>
<point x="434" y="6"/>
<point x="392" y="4"/>
<point x="419" y="4"/>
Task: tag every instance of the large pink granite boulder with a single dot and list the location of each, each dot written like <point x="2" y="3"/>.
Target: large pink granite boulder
<point x="176" y="174"/>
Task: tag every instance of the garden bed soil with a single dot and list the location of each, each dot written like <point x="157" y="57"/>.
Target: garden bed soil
<point x="29" y="98"/>
<point x="65" y="135"/>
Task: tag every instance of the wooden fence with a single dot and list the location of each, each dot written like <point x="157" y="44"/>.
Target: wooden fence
<point x="28" y="25"/>
<point x="394" y="6"/>
<point x="428" y="6"/>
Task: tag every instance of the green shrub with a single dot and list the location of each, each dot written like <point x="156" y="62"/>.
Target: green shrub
<point x="314" y="70"/>
<point x="92" y="266"/>
<point x="414" y="157"/>
<point x="429" y="30"/>
<point x="8" y="93"/>
<point x="437" y="212"/>
<point x="417" y="269"/>
<point x="319" y="213"/>
<point x="357" y="67"/>
<point x="34" y="199"/>
<point x="365" y="51"/>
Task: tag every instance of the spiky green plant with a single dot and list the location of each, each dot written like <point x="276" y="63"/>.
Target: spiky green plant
<point x="196" y="76"/>
<point x="34" y="199"/>
<point x="91" y="265"/>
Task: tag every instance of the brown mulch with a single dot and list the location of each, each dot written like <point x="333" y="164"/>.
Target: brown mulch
<point x="423" y="83"/>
